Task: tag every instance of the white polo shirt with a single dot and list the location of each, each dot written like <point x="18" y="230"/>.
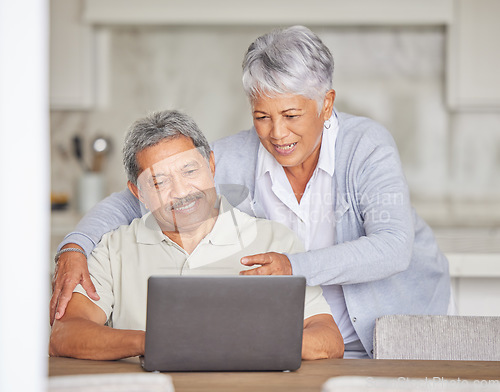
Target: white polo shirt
<point x="313" y="219"/>
<point x="125" y="258"/>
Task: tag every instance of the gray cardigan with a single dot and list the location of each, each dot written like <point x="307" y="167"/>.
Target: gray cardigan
<point x="385" y="257"/>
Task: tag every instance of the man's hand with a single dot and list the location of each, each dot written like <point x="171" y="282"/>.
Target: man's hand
<point x="71" y="269"/>
<point x="271" y="263"/>
<point x="81" y="333"/>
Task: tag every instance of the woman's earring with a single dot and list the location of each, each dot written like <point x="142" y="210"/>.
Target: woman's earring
<point x="328" y="124"/>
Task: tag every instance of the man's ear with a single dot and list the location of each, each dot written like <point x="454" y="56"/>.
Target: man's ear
<point x="136" y="192"/>
<point x="211" y="162"/>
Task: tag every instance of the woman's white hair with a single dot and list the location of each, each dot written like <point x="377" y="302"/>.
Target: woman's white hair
<point x="293" y="60"/>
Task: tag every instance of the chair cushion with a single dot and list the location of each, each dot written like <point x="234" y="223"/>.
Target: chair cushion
<point x="471" y="338"/>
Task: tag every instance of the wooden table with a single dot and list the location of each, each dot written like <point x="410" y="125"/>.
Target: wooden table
<point x="310" y="376"/>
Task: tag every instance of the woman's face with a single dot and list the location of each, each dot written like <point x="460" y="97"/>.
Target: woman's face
<point x="290" y="128"/>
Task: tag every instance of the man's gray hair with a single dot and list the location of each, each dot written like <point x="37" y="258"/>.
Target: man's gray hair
<point x="293" y="60"/>
<point x="156" y="127"/>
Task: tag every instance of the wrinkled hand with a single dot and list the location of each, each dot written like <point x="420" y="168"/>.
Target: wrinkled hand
<point x="71" y="270"/>
<point x="271" y="263"/>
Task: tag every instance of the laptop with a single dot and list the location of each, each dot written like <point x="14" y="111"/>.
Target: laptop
<point x="224" y="323"/>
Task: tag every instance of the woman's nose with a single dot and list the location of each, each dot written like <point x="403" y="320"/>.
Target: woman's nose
<point x="278" y="130"/>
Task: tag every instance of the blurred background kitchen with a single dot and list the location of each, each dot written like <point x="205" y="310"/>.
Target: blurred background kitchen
<point x="427" y="70"/>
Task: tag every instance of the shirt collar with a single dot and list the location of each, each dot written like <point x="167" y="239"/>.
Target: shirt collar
<point x="265" y="162"/>
<point x="326" y="162"/>
<point x="224" y="231"/>
<point x="148" y="230"/>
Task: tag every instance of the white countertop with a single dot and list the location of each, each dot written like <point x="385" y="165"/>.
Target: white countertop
<point x="472" y="252"/>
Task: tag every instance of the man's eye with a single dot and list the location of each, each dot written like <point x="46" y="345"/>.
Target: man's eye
<point x="292" y="116"/>
<point x="190" y="172"/>
<point x="260" y="118"/>
<point x="157" y="183"/>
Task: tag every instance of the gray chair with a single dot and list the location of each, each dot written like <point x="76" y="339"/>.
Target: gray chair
<point x="467" y="338"/>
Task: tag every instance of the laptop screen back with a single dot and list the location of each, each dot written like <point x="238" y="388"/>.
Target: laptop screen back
<point x="224" y="323"/>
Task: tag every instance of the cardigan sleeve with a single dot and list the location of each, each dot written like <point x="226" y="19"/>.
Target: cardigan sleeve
<point x="116" y="210"/>
<point x="377" y="227"/>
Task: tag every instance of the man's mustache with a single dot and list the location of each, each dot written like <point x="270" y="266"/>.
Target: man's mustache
<point x="185" y="200"/>
<point x="169" y="208"/>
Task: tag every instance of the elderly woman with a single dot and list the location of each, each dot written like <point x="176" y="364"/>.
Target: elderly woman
<point x="333" y="178"/>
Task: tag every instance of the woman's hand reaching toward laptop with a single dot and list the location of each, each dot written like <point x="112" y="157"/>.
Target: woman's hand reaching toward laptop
<point x="270" y="263"/>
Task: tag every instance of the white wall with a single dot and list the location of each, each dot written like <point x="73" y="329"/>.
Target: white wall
<point x="24" y="196"/>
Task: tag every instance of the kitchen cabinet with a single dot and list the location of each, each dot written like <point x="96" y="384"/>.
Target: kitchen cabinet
<point x="473" y="54"/>
<point x="71" y="57"/>
<point x="277" y="12"/>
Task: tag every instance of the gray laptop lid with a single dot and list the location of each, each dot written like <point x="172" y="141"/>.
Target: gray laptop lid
<point x="224" y="323"/>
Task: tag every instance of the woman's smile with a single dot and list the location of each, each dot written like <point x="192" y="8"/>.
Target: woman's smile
<point x="285" y="149"/>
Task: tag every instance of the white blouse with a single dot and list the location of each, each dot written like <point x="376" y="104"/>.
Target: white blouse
<point x="313" y="219"/>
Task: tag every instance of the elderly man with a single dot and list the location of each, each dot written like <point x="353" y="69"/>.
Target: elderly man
<point x="189" y="229"/>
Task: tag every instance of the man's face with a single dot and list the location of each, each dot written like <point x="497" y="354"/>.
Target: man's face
<point x="177" y="184"/>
